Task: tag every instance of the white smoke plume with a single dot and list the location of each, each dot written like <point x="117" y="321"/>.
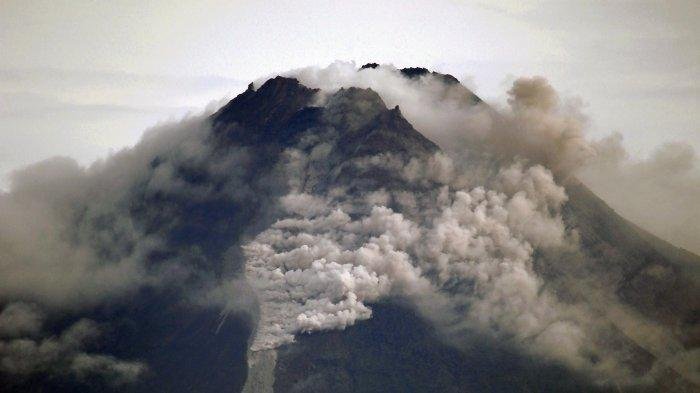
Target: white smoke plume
<point x="463" y="257"/>
<point x="472" y="246"/>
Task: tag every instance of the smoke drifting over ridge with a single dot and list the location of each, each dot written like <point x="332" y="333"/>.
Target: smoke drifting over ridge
<point x="542" y="128"/>
<point x="458" y="234"/>
<point x="659" y="193"/>
<point x="537" y="126"/>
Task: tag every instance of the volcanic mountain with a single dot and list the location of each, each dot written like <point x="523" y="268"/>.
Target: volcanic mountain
<point x="246" y="212"/>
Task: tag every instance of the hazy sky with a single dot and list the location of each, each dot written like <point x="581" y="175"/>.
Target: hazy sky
<point x="79" y="78"/>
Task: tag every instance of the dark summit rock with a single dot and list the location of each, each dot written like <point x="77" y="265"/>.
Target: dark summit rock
<point x="368" y="127"/>
<point x="417" y="72"/>
<point x="278" y="112"/>
<point x="281" y="109"/>
<point x="447" y="79"/>
<point x="388" y="132"/>
<point x="258" y="115"/>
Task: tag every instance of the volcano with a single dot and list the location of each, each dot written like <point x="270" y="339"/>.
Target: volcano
<point x="306" y="243"/>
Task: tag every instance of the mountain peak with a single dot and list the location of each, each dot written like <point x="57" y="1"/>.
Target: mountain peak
<point x="415" y="73"/>
<point x="280" y="110"/>
<point x="369" y="65"/>
<point x="386" y="132"/>
<point x="265" y="110"/>
<point x="352" y="108"/>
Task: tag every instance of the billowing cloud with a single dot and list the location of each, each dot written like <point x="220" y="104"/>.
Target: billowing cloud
<point x="75" y="238"/>
<point x="537" y="126"/>
<point x="466" y="239"/>
<point x="542" y="128"/>
<point x="69" y="239"/>
<point x="464" y="259"/>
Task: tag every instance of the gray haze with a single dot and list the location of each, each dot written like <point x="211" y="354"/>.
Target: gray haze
<point x="660" y="193"/>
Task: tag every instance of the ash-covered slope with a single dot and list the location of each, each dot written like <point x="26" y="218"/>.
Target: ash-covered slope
<point x="386" y="354"/>
<point x="656" y="278"/>
<point x="376" y="265"/>
<point x="377" y="355"/>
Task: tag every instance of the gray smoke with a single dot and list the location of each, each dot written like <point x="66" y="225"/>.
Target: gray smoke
<point x="470" y="243"/>
<point x="330" y="257"/>
<point x="73" y="238"/>
<point x="537" y="126"/>
<point x="542" y="128"/>
<point x="60" y="222"/>
<point x="660" y="193"/>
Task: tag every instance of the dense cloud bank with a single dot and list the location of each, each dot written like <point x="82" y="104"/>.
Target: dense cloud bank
<point x="70" y="240"/>
<point x="74" y="240"/>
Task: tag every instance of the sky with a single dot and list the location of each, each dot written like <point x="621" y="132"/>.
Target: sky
<point x="85" y="78"/>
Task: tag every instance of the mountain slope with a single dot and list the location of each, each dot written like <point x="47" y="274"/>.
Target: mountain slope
<point x="205" y="201"/>
<point x="615" y="253"/>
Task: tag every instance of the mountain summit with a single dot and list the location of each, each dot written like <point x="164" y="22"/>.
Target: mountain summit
<point x="307" y="239"/>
